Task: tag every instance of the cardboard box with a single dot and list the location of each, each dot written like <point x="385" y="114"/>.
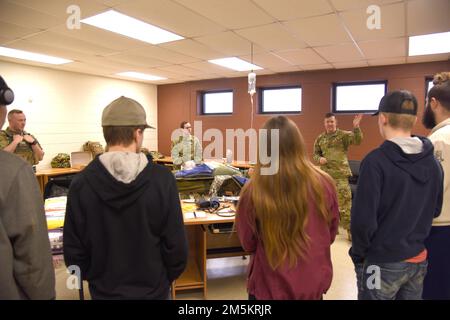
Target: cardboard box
<point x="80" y="159"/>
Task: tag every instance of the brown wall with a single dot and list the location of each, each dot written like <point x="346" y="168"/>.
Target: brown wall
<point x="178" y="102"/>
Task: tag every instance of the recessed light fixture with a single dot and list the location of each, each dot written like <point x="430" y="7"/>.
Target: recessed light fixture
<point x="429" y="44"/>
<point x="141" y="76"/>
<point x="26" y="55"/>
<point x="235" y="64"/>
<point x="119" y="23"/>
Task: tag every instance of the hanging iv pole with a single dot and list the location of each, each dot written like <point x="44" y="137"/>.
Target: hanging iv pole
<point x="251" y="86"/>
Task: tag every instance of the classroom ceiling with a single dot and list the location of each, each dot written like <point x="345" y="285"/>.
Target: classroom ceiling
<point x="287" y="35"/>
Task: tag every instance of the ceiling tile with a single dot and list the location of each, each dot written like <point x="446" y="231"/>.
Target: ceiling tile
<point x="233" y="14"/>
<point x="100" y="37"/>
<point x="429" y="58"/>
<point x="163" y="54"/>
<point x="286" y="69"/>
<point x="351" y="64"/>
<point x="229" y="44"/>
<point x="267" y="60"/>
<point x="17" y="14"/>
<point x="427" y="16"/>
<point x="340" y="53"/>
<point x="47" y="50"/>
<point x="392" y="23"/>
<point x="389" y="48"/>
<point x="136" y="60"/>
<point x="58" y="8"/>
<point x="321" y="66"/>
<point x="343" y="5"/>
<point x="301" y="57"/>
<point x="13" y="31"/>
<point x="192" y="48"/>
<point x="182" y="70"/>
<point x="52" y="39"/>
<point x="273" y="36"/>
<point x="170" y="16"/>
<point x="386" y="61"/>
<point x="292" y="9"/>
<point x="319" y="31"/>
<point x="207" y="67"/>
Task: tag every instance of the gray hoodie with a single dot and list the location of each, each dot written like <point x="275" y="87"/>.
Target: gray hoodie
<point x="26" y="269"/>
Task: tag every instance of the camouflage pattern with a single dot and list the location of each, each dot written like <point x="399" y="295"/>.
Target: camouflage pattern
<point x="345" y="202"/>
<point x="94" y="147"/>
<point x="23" y="149"/>
<point x="185" y="149"/>
<point x="61" y="160"/>
<point x="334" y="147"/>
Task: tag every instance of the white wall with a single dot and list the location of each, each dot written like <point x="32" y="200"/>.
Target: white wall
<point x="63" y="109"/>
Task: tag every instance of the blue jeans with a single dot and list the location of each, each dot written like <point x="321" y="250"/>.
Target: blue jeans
<point x="390" y="281"/>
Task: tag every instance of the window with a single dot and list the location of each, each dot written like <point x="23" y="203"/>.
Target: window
<point x="358" y="97"/>
<point x="217" y="102"/>
<point x="281" y="100"/>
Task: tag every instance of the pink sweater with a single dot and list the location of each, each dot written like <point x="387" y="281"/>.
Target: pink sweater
<point x="310" y="278"/>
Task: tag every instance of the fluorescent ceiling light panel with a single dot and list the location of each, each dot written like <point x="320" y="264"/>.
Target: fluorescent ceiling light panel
<point x="235" y="64"/>
<point x="119" y="23"/>
<point x="429" y="44"/>
<point x="25" y="55"/>
<point x="141" y="76"/>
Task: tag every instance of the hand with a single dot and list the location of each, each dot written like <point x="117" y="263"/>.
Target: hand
<point x="17" y="138"/>
<point x="357" y="120"/>
<point x="323" y="160"/>
<point x="29" y="139"/>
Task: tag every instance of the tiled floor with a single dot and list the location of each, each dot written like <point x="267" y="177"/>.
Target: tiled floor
<point x="227" y="277"/>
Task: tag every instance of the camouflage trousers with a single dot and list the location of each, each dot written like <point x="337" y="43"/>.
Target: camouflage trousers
<point x="345" y="202"/>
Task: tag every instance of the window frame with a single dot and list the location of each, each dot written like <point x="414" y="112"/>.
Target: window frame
<point x="353" y="83"/>
<point x="261" y="90"/>
<point x="202" y="95"/>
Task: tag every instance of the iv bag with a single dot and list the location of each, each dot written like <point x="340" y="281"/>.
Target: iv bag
<point x="251" y="83"/>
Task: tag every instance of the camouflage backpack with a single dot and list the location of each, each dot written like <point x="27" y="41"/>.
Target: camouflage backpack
<point x="93" y="147"/>
<point x="61" y="160"/>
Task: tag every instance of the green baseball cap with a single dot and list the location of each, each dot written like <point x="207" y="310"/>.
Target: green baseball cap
<point x="124" y="112"/>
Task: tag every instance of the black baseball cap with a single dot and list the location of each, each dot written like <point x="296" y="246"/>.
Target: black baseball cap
<point x="401" y="102"/>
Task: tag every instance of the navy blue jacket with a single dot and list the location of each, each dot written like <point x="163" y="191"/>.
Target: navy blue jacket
<point x="398" y="196"/>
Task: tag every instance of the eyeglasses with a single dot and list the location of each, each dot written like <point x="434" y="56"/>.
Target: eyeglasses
<point x="187" y="127"/>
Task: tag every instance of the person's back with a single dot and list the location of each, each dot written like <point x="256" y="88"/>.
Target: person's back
<point x="26" y="269"/>
<point x="124" y="226"/>
<point x="288" y="221"/>
<point x="399" y="193"/>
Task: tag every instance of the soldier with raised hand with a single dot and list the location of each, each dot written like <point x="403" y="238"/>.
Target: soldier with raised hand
<point x="330" y="152"/>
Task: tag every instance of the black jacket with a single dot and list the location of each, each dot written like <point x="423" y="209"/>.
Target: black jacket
<point x="128" y="239"/>
<point x="398" y="196"/>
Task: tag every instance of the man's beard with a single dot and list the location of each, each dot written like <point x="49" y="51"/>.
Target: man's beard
<point x="428" y="118"/>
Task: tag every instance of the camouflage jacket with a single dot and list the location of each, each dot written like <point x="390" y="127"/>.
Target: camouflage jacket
<point x="333" y="147"/>
<point x="23" y="149"/>
<point x="185" y="149"/>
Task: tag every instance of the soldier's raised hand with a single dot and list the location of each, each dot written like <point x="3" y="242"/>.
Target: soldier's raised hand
<point x="323" y="160"/>
<point x="357" y="120"/>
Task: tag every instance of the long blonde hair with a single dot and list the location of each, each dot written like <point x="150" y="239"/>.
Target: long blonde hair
<point x="282" y="200"/>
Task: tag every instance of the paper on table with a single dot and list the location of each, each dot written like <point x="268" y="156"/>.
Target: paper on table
<point x="191" y="215"/>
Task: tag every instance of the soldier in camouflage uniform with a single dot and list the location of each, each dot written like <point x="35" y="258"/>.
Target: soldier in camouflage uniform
<point x="330" y="151"/>
<point x="186" y="148"/>
<point x="16" y="140"/>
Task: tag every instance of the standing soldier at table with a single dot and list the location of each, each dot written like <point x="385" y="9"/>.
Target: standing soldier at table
<point x="330" y="152"/>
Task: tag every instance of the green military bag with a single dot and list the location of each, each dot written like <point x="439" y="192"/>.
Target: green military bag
<point x="61" y="160"/>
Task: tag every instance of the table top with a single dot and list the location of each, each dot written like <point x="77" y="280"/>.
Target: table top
<point x="206" y="217"/>
<point x="237" y="164"/>
<point x="57" y="171"/>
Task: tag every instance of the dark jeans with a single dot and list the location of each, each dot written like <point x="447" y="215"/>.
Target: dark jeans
<point x="390" y="281"/>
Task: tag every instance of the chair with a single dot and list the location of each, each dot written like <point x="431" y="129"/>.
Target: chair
<point x="353" y="179"/>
